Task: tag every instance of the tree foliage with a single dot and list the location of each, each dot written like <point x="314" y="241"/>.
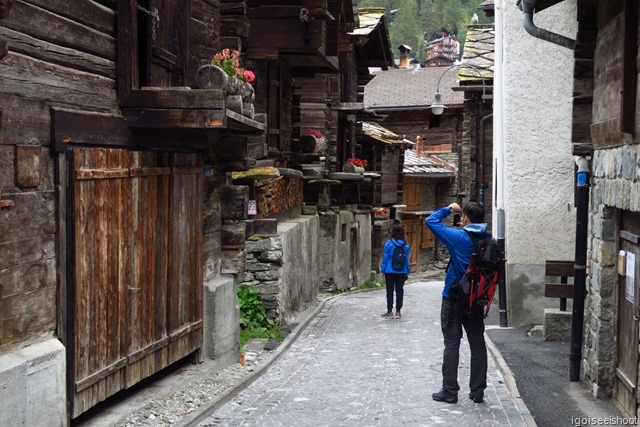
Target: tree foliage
<point x="412" y="22"/>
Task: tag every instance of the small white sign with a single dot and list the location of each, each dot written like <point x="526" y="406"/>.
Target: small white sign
<point x="252" y="208"/>
<point x="630" y="277"/>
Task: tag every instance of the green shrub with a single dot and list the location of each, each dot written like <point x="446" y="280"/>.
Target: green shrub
<point x="371" y="284"/>
<point x="254" y="322"/>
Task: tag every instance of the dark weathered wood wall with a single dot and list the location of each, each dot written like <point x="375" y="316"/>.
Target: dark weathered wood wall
<point x="316" y="95"/>
<point x="63" y="54"/>
<point x="476" y="154"/>
<point x="60" y="53"/>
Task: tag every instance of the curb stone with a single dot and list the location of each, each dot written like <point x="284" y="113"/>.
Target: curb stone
<point x="198" y="416"/>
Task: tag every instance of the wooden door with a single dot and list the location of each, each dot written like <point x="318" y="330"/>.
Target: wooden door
<point x="412" y="191"/>
<point x="136" y="275"/>
<point x="412" y="232"/>
<point x="627" y="335"/>
<point x="166" y="28"/>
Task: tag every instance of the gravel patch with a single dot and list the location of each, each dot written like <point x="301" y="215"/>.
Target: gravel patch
<point x="170" y="410"/>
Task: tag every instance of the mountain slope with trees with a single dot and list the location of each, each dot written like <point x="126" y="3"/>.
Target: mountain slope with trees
<point x="415" y="21"/>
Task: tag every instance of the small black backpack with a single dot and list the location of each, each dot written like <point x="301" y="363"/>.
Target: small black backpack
<point x="477" y="287"/>
<point x="399" y="259"/>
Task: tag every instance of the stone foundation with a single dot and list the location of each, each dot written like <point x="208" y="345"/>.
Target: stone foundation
<point x="33" y="383"/>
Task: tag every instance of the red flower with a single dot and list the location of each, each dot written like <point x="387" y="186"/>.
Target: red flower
<point x="358" y="162"/>
<point x="315" y="132"/>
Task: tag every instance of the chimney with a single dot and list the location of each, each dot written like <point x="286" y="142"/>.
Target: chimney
<point x="404" y="56"/>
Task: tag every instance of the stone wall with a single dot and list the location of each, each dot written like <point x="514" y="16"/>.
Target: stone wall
<point x="615" y="186"/>
<point x="284" y="267"/>
<point x="345" y="249"/>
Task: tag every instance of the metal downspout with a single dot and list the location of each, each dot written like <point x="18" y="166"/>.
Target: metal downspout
<point x="483" y="124"/>
<point x="499" y="154"/>
<point x="528" y="9"/>
<point x="582" y="225"/>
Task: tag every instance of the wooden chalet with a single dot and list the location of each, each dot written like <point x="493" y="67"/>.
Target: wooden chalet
<point x="128" y="169"/>
<point x="412" y="92"/>
<point x="442" y="52"/>
<point x="114" y="196"/>
<point x="461" y="135"/>
<point x="426" y="177"/>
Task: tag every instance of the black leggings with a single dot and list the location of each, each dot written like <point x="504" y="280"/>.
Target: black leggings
<point x="395" y="282"/>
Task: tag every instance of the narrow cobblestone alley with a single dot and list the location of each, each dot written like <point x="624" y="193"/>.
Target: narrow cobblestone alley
<point x="350" y="367"/>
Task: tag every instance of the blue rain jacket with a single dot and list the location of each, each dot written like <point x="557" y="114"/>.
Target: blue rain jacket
<point x="387" y="256"/>
<point x="457" y="241"/>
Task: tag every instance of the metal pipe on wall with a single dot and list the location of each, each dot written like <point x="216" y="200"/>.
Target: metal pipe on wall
<point x="498" y="152"/>
<point x="528" y="9"/>
<point x="582" y="225"/>
<point x="481" y="157"/>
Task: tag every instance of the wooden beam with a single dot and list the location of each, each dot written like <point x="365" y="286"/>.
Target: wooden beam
<point x="233" y="202"/>
<point x="175" y="118"/>
<point x="74" y="126"/>
<point x="558" y="290"/>
<point x="557" y="268"/>
<point x="177" y="98"/>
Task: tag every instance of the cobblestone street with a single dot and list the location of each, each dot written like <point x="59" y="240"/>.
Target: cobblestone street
<point x="350" y="367"/>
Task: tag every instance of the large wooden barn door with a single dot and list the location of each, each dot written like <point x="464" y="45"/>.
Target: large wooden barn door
<point x="626" y="381"/>
<point x="136" y="286"/>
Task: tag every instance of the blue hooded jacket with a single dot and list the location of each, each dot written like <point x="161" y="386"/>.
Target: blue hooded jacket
<point x="387" y="257"/>
<point x="459" y="243"/>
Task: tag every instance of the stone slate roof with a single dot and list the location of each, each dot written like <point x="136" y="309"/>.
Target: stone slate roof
<point x="369" y="20"/>
<point x="426" y="166"/>
<point x="384" y="135"/>
<point x="478" y="52"/>
<point x="411" y="89"/>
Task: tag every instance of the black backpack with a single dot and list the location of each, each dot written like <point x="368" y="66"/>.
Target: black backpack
<point x="399" y="259"/>
<point x="477" y="287"/>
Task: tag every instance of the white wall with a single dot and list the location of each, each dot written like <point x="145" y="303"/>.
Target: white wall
<point x="538" y="193"/>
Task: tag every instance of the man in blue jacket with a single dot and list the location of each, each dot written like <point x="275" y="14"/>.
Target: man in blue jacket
<point x="453" y="313"/>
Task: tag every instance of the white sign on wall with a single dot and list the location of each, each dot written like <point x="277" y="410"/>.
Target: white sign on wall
<point x="252" y="208"/>
<point x="631" y="273"/>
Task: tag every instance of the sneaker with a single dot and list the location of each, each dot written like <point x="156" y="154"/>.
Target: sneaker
<point x="398" y="315"/>
<point x="388" y="315"/>
<point x="477" y="398"/>
<point x="443" y="396"/>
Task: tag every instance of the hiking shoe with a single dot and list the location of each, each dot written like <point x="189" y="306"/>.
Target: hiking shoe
<point x="388" y="315"/>
<point x="443" y="396"/>
<point x="398" y="315"/>
<point x="477" y="398"/>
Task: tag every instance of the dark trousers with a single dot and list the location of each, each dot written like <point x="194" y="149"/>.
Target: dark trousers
<point x="453" y="318"/>
<point x="395" y="282"/>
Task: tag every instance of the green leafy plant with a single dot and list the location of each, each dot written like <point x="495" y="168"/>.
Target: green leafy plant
<point x="371" y="284"/>
<point x="229" y="62"/>
<point x="254" y="321"/>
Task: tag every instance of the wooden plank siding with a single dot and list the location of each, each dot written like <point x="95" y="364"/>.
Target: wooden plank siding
<point x="138" y="267"/>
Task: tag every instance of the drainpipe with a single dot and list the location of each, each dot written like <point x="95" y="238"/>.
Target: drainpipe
<point x="498" y="152"/>
<point x="528" y="9"/>
<point x="582" y="218"/>
<point x="483" y="125"/>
